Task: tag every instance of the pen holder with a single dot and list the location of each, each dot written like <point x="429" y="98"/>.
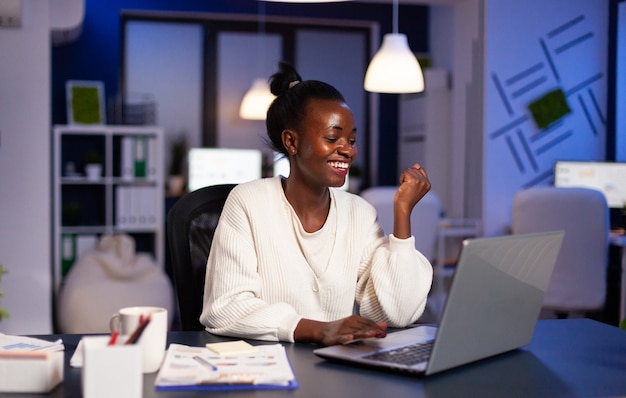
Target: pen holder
<point x="152" y="338"/>
<point x="111" y="370"/>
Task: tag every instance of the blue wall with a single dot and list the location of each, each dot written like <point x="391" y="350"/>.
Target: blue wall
<point x="96" y="54"/>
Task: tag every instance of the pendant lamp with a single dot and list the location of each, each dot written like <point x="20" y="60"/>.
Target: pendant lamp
<point x="305" y="1"/>
<point x="394" y="68"/>
<point x="258" y="97"/>
<point x="256" y="101"/>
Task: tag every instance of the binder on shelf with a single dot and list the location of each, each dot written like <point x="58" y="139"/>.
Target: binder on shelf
<point x="153" y="198"/>
<point x="136" y="207"/>
<point x="120" y="212"/>
<point x="68" y="252"/>
<point x="85" y="243"/>
<point x="73" y="246"/>
<point x="151" y="161"/>
<point x="128" y="158"/>
<point x="141" y="155"/>
<point x="131" y="211"/>
<point x="141" y="206"/>
<point x="125" y="208"/>
<point x="147" y="204"/>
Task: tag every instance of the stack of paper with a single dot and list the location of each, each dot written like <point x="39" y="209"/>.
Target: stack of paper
<point x="22" y="343"/>
<point x="199" y="368"/>
<point x="30" y="365"/>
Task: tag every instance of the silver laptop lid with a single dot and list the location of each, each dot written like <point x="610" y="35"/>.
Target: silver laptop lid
<point x="495" y="298"/>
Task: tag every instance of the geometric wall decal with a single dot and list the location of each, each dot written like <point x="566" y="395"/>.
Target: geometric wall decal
<point x="538" y="96"/>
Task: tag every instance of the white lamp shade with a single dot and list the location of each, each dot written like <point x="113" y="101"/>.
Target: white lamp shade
<point x="256" y="101"/>
<point x="394" y="69"/>
<point x="305" y="1"/>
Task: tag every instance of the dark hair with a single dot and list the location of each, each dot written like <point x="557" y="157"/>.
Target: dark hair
<point x="292" y="97"/>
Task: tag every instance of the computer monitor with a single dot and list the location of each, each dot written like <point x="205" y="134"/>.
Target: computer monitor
<point x="281" y="167"/>
<point x="213" y="166"/>
<point x="606" y="177"/>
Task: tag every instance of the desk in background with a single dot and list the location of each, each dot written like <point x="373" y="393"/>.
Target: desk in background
<point x="449" y="228"/>
<point x="566" y="358"/>
<point x="620" y="241"/>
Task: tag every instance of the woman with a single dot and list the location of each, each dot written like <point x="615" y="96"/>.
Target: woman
<point x="293" y="258"/>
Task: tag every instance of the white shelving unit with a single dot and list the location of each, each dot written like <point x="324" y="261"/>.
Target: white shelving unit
<point x="127" y="198"/>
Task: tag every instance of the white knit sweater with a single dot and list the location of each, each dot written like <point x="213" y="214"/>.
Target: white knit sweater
<point x="259" y="284"/>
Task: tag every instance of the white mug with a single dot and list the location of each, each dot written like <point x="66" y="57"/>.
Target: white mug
<point x="153" y="339"/>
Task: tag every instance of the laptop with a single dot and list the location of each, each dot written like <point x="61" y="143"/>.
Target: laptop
<point x="492" y="307"/>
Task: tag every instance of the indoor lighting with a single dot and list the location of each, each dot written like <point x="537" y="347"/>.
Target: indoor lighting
<point x="394" y="68"/>
<point x="256" y="101"/>
<point x="258" y="98"/>
<point x="305" y="1"/>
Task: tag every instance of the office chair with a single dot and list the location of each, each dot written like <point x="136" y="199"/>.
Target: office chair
<point x="578" y="283"/>
<point x="424" y="219"/>
<point x="191" y="223"/>
<point x="424" y="227"/>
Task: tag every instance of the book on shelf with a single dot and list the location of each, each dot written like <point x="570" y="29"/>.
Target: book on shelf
<point x="199" y="368"/>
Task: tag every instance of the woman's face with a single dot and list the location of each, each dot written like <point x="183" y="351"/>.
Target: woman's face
<point x="326" y="143"/>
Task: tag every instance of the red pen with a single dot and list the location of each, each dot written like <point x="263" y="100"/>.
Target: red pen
<point x="113" y="337"/>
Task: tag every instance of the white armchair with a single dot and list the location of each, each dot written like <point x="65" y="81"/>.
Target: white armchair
<point x="578" y="283"/>
<point x="424" y="219"/>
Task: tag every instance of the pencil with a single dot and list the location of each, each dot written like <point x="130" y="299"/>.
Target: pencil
<point x="143" y="322"/>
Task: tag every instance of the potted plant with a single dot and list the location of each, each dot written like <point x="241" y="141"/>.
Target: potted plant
<point x="176" y="171"/>
<point x="93" y="165"/>
<point x="3" y="312"/>
<point x="71" y="213"/>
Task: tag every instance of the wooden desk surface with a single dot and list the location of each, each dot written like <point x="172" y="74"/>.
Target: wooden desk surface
<point x="566" y="358"/>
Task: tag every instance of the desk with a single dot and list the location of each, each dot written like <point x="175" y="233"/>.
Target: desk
<point x="620" y="240"/>
<point x="566" y="358"/>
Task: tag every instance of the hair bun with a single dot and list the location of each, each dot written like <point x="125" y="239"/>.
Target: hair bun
<point x="284" y="79"/>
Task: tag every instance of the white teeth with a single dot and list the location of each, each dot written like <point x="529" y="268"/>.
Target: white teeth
<point x="339" y="165"/>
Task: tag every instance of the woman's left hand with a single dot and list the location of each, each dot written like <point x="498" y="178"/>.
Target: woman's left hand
<point x="414" y="184"/>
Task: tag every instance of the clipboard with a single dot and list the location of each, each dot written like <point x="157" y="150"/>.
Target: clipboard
<point x="198" y="368"/>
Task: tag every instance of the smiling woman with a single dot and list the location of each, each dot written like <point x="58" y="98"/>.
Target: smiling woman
<point x="293" y="256"/>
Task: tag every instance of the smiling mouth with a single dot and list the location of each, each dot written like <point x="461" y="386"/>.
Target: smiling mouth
<point x="340" y="165"/>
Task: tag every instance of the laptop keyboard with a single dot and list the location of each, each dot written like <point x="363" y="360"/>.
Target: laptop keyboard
<point x="406" y="355"/>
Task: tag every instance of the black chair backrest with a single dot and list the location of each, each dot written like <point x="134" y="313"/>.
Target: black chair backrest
<point x="191" y="223"/>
